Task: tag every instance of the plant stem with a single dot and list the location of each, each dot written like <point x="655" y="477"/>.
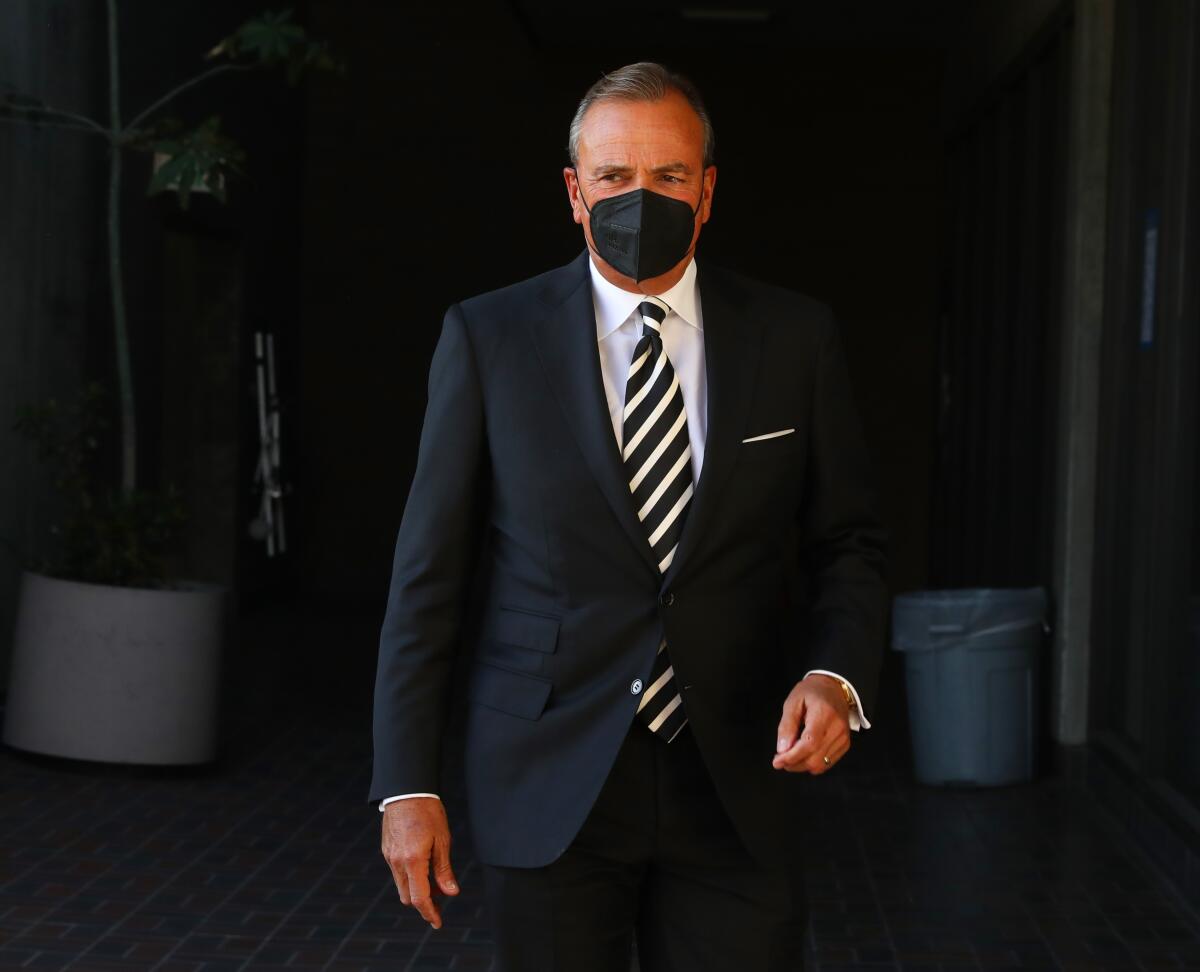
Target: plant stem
<point x="81" y="120"/>
<point x="179" y="89"/>
<point x="48" y="123"/>
<point x="120" y="328"/>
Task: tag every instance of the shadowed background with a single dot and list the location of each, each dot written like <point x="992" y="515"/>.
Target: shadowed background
<point x="965" y="183"/>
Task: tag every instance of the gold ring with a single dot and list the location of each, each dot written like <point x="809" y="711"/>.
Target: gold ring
<point x="826" y="758"/>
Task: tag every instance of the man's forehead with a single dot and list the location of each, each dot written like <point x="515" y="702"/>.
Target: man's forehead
<point x="616" y="126"/>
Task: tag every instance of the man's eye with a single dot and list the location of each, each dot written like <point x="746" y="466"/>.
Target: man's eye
<point x="671" y="178"/>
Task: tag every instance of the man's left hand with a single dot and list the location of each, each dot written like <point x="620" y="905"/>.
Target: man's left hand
<point x="818" y="705"/>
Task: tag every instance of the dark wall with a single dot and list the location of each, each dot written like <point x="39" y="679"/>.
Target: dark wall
<point x="201" y="281"/>
<point x="51" y="244"/>
<point x="433" y="173"/>
<point x="994" y="491"/>
<point x="194" y="283"/>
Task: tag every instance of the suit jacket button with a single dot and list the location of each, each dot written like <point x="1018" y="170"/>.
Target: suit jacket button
<point x="636" y="686"/>
<point x="667" y="599"/>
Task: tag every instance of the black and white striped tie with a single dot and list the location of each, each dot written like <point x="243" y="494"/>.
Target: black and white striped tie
<point x="658" y="462"/>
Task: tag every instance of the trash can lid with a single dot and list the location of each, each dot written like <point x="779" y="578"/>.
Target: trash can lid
<point x="922" y="620"/>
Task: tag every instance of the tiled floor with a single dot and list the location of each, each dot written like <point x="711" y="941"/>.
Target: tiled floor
<point x="269" y="859"/>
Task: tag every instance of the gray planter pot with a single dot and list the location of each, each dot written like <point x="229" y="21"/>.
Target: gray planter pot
<point x="116" y="674"/>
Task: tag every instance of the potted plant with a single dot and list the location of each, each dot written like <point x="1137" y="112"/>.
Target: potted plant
<point x="114" y="660"/>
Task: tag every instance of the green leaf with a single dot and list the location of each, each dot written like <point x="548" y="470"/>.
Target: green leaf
<point x="167" y="175"/>
<point x="204" y="158"/>
<point x="273" y="39"/>
<point x="270" y="37"/>
<point x="187" y="179"/>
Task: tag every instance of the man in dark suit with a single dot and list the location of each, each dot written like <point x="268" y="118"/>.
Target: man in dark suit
<point x="645" y="479"/>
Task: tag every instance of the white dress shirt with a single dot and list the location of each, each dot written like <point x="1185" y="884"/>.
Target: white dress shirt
<point x="618" y="329"/>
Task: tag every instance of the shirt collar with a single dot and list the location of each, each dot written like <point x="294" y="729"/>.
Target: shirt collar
<point x="614" y="306"/>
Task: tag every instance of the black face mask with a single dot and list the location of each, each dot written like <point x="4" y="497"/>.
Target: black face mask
<point x="640" y="233"/>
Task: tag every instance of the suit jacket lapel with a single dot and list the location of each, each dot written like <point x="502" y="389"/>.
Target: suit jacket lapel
<point x="732" y="347"/>
<point x="565" y="338"/>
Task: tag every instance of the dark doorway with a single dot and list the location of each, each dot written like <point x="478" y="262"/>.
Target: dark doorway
<point x="993" y="495"/>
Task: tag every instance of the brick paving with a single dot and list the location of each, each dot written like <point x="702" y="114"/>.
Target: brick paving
<point x="268" y="860"/>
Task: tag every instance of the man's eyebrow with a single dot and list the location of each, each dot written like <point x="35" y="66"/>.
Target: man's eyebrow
<point x="606" y="167"/>
<point x="673" y="167"/>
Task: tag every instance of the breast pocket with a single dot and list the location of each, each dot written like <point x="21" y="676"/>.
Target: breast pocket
<point x="770" y="446"/>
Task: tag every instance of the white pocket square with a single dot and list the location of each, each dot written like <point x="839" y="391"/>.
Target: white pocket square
<point x="769" y="435"/>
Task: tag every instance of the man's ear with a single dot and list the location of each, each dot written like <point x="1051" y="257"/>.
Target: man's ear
<point x="571" y="178"/>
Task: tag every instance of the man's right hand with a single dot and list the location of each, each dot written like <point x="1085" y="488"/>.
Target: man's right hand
<point x="416" y="835"/>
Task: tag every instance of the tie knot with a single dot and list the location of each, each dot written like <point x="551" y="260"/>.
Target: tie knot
<point x="654" y="312"/>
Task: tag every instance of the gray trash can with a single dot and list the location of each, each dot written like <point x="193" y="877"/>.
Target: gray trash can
<point x="971" y="660"/>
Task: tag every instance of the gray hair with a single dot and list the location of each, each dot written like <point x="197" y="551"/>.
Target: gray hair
<point x="643" y="81"/>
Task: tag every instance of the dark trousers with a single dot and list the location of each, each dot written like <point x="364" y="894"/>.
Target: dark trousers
<point x="657" y="861"/>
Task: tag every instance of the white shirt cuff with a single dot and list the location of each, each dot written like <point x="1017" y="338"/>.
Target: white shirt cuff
<point x="404" y="796"/>
<point x="858" y="718"/>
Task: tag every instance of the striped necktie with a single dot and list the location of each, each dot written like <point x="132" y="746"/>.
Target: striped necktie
<point x="658" y="462"/>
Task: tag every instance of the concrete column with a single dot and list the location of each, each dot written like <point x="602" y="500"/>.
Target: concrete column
<point x="1079" y="379"/>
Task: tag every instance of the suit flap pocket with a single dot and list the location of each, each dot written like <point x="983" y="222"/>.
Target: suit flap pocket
<point x="511" y="692"/>
<point x="516" y="627"/>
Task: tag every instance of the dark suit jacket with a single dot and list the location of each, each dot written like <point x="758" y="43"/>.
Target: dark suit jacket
<point x="779" y="568"/>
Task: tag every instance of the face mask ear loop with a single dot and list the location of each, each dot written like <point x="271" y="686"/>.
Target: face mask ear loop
<point x="579" y="189"/>
<point x="695" y="213"/>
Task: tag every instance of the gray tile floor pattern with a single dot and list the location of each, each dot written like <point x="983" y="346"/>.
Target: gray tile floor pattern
<point x="269" y="860"/>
